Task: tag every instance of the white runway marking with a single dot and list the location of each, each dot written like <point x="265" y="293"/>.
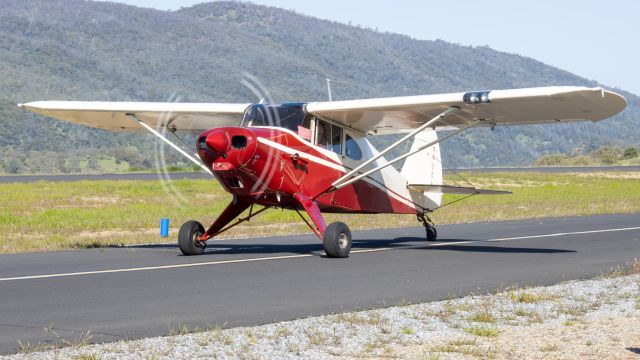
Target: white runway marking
<point x="285" y="257"/>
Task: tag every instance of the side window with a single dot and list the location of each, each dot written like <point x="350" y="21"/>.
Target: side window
<point x="352" y="150"/>
<point x="336" y="139"/>
<point x="329" y="136"/>
<point x="323" y="134"/>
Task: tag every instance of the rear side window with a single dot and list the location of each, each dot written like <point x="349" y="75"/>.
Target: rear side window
<point x="352" y="150"/>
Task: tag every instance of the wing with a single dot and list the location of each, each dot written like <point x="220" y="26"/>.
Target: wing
<point x="497" y="107"/>
<point x="112" y="116"/>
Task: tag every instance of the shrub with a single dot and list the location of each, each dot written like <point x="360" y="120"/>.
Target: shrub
<point x="630" y="153"/>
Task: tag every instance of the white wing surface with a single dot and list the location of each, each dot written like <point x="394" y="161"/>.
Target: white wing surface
<point x="112" y="116"/>
<point x="497" y="107"/>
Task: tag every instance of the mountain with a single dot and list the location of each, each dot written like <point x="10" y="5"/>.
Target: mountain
<point x="86" y="50"/>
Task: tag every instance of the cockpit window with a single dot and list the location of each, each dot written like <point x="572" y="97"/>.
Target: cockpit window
<point x="291" y="117"/>
<point x="329" y="136"/>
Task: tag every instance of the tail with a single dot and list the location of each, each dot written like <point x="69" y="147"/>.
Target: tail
<point x="424" y="168"/>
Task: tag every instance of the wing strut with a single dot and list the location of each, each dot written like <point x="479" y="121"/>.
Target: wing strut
<point x="349" y="178"/>
<point x="169" y="142"/>
<point x="336" y="184"/>
<point x="356" y="178"/>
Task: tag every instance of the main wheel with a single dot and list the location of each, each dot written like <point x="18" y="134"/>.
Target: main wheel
<point x="337" y="240"/>
<point x="188" y="238"/>
<point x="432" y="233"/>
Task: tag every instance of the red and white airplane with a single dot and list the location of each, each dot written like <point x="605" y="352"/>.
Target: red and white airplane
<point x="316" y="156"/>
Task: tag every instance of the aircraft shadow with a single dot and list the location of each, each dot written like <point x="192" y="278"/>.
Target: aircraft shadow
<point x="634" y="350"/>
<point x="409" y="243"/>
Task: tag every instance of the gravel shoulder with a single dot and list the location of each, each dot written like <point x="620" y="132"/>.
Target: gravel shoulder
<point x="597" y="318"/>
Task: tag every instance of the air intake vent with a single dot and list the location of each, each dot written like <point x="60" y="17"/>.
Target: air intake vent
<point x="239" y="142"/>
<point x="202" y="143"/>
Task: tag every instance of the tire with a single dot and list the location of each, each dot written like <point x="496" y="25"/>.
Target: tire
<point x="187" y="238"/>
<point x="337" y="240"/>
<point x="432" y="233"/>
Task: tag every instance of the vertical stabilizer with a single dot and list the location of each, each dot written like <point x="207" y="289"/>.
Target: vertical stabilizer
<point x="424" y="168"/>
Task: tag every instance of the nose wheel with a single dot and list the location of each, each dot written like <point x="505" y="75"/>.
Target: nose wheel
<point x="432" y="233"/>
<point x="189" y="238"/>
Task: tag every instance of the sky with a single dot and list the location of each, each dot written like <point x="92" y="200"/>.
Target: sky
<point x="598" y="40"/>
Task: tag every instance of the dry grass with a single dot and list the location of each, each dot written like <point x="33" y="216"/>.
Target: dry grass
<point x="550" y="348"/>
<point x="531" y="315"/>
<point x="51" y="216"/>
<point x="631" y="268"/>
<point x="483" y="316"/>
<point x="360" y="318"/>
<point x="467" y="347"/>
<point x="527" y="297"/>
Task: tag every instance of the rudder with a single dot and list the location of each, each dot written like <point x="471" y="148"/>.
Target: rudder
<point x="425" y="168"/>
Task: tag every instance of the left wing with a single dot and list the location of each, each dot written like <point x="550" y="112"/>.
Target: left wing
<point x="497" y="107"/>
<point x="112" y="116"/>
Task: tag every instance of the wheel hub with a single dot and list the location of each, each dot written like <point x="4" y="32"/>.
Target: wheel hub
<point x="197" y="242"/>
<point x="342" y="241"/>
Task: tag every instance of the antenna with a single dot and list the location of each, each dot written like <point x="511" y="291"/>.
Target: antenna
<point x="329" y="81"/>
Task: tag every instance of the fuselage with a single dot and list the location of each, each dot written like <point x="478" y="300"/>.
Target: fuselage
<point x="268" y="165"/>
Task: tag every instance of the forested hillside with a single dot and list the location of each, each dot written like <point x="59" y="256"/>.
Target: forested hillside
<point x="85" y="50"/>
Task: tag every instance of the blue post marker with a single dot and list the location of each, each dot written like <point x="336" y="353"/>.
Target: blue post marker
<point x="164" y="228"/>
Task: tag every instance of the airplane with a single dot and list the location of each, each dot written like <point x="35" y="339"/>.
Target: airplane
<point x="316" y="157"/>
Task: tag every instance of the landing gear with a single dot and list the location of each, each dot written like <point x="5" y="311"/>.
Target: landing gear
<point x="432" y="233"/>
<point x="337" y="240"/>
<point x="189" y="238"/>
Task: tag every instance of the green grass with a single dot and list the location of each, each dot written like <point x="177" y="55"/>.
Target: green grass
<point x="485" y="331"/>
<point x="406" y="331"/>
<point x="58" y="215"/>
<point x="482" y="316"/>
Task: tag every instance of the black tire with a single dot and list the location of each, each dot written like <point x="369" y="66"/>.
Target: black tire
<point x="432" y="233"/>
<point x="337" y="240"/>
<point x="188" y="238"/>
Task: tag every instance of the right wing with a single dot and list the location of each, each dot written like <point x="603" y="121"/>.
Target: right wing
<point x="497" y="107"/>
<point x="112" y="116"/>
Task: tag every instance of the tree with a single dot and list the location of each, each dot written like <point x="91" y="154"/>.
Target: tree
<point x="13" y="167"/>
<point x="93" y="164"/>
<point x="131" y="155"/>
<point x="61" y="164"/>
<point x="551" y="160"/>
<point x="607" y="155"/>
<point x="630" y="153"/>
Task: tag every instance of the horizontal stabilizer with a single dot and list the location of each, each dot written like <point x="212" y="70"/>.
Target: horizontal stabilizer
<point x="460" y="190"/>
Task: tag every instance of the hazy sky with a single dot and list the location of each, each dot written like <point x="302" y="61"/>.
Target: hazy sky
<point x="595" y="39"/>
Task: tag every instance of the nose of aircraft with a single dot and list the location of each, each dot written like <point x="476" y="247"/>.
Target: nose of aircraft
<point x="218" y="141"/>
<point x="230" y="146"/>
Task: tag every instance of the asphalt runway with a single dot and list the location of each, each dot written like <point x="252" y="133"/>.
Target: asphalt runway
<point x="194" y="175"/>
<point x="143" y="291"/>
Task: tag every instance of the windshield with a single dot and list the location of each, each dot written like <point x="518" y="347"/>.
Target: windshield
<point x="288" y="116"/>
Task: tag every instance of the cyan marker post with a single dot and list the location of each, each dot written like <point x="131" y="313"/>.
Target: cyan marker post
<point x="164" y="227"/>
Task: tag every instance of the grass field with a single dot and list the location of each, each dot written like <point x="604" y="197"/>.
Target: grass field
<point x="58" y="215"/>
